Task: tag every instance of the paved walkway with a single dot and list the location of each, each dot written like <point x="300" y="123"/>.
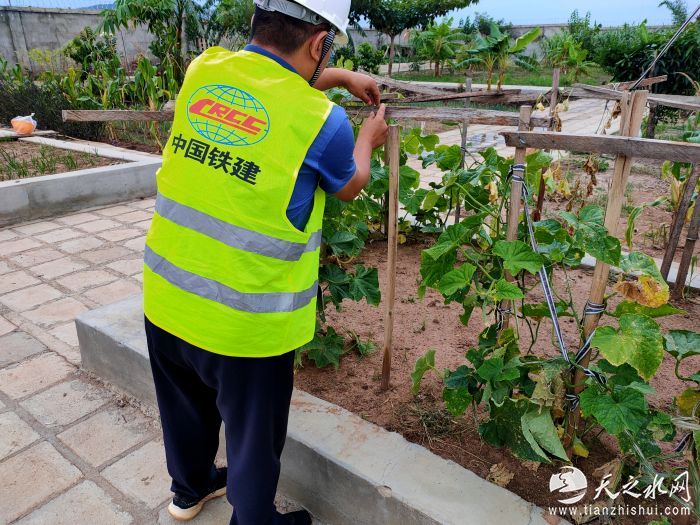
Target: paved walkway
<point x="71" y="451"/>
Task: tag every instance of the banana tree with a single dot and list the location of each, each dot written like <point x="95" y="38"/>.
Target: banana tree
<point x="497" y="49"/>
<point x="438" y="43"/>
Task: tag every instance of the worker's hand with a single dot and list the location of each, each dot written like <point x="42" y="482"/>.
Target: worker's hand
<point x="363" y="87"/>
<point x="374" y="129"/>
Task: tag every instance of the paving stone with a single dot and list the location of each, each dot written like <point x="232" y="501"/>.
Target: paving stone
<point x="53" y="269"/>
<point x="115" y="210"/>
<point x="19" y="245"/>
<point x="5" y="326"/>
<point x="137" y="244"/>
<point x="144" y="225"/>
<point x="120" y="234"/>
<point x="6" y="268"/>
<point x="65" y="402"/>
<point x="62" y="234"/>
<point x="145" y="203"/>
<point x="36" y="227"/>
<point x="81" y="244"/>
<point x="16" y="280"/>
<point x="6" y="235"/>
<point x="142" y="475"/>
<point x="32" y="476"/>
<point x="65" y="309"/>
<point x="34" y="257"/>
<point x="27" y="298"/>
<point x="2" y="405"/>
<point x="113" y="292"/>
<point x="16" y="346"/>
<point x="15" y="434"/>
<point x="66" y="333"/>
<point x="85" y="279"/>
<point x="78" y="218"/>
<point x="33" y="375"/>
<point x="134" y="216"/>
<point x="107" y="434"/>
<point x="106" y="254"/>
<point x="138" y="277"/>
<point x="84" y="504"/>
<point x="127" y="266"/>
<point x="98" y="225"/>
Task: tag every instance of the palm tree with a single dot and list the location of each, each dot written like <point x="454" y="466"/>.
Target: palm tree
<point x="439" y="42"/>
<point x="497" y="49"/>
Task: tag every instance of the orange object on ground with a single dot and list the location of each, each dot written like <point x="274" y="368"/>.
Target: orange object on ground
<point x="24" y="125"/>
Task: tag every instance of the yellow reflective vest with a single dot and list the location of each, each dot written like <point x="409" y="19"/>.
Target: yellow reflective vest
<point x="225" y="269"/>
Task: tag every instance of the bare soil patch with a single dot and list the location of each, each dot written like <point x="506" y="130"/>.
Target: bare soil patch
<point x="20" y="160"/>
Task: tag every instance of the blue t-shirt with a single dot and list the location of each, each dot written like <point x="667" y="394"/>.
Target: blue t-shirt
<point x="328" y="163"/>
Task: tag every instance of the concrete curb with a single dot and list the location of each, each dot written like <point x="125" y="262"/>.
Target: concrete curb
<point x="342" y="468"/>
<point x="48" y="195"/>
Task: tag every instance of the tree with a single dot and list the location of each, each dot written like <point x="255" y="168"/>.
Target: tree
<point x="230" y="19"/>
<point x="439" y="42"/>
<point x="678" y="8"/>
<point x="391" y="17"/>
<point x="172" y="22"/>
<point x="496" y="49"/>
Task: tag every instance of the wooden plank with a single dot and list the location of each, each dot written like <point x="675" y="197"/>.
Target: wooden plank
<point x="473" y="116"/>
<point x="633" y="105"/>
<point x="624" y="86"/>
<point x="672" y="101"/>
<point x="514" y="206"/>
<point x="404" y="85"/>
<point x="679" y="221"/>
<point x="111" y="115"/>
<point x="676" y="101"/>
<point x="614" y="144"/>
<point x="393" y="143"/>
<point x="465" y="94"/>
<point x="687" y="256"/>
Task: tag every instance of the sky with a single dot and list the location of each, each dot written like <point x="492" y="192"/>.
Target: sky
<point x="606" y="12"/>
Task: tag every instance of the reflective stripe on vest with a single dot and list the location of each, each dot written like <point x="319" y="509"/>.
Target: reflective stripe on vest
<point x="232" y="235"/>
<point x="215" y="291"/>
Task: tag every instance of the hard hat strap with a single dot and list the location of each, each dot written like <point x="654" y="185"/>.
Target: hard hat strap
<point x="327" y="45"/>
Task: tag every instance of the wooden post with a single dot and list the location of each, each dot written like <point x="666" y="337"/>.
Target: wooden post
<point x="392" y="148"/>
<point x="690" y="241"/>
<point x="516" y="189"/>
<point x="465" y="123"/>
<point x="553" y="101"/>
<point x="630" y="124"/>
<point x="679" y="222"/>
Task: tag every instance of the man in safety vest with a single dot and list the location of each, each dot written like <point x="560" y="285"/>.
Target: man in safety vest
<point x="232" y="255"/>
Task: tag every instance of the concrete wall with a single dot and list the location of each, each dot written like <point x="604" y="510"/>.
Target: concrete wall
<point x="26" y="28"/>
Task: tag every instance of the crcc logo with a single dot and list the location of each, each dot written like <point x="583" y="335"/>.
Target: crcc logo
<point x="567" y="481"/>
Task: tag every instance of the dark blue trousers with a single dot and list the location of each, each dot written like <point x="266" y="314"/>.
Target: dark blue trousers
<point x="196" y="390"/>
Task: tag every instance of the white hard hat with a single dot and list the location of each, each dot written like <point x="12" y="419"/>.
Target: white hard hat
<point x="335" y="12"/>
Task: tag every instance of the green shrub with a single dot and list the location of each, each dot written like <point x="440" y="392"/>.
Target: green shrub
<point x="626" y="52"/>
<point x="88" y="49"/>
<point x="46" y="101"/>
<point x="368" y="58"/>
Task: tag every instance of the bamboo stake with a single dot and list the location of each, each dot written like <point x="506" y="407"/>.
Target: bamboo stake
<point x="392" y="156"/>
<point x="516" y="189"/>
<point x="678" y="222"/>
<point x="687" y="257"/>
<point x="630" y="124"/>
<point x="553" y="101"/>
<point x="462" y="162"/>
